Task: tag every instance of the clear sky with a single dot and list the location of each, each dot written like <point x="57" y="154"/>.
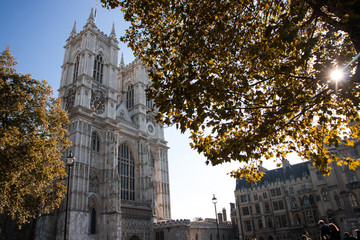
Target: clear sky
<point x="36" y="32"/>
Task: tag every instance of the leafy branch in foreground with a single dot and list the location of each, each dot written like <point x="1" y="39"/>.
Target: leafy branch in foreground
<point x="250" y="79"/>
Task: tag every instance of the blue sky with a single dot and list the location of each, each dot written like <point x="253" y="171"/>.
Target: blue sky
<point x="36" y="32"/>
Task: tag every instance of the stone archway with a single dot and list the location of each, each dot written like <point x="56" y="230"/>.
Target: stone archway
<point x="134" y="237"/>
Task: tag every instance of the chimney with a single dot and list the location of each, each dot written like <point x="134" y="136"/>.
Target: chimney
<point x="224" y="215"/>
<point x="220" y="217"/>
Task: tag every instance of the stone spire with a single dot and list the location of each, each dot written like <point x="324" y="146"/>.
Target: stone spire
<point x="122" y="60"/>
<point x="113" y="29"/>
<point x="112" y="34"/>
<point x="73" y="32"/>
<point x="91" y="19"/>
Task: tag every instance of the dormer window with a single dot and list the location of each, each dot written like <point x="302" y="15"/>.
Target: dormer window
<point x="98" y="68"/>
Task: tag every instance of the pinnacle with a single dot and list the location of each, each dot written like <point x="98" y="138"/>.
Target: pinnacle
<point x="74" y="29"/>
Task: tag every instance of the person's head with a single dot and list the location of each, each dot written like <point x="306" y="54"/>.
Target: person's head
<point x="333" y="227"/>
<point x="346" y="234"/>
<point x="357" y="231"/>
<point x="321" y="223"/>
<point x="304" y="237"/>
<point x="306" y="233"/>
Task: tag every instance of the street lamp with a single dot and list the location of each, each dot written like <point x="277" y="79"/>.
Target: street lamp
<point x="214" y="200"/>
<point x="69" y="163"/>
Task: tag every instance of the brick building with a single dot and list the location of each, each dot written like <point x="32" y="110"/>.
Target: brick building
<point x="291" y="199"/>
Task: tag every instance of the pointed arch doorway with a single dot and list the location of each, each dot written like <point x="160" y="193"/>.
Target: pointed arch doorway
<point x="134" y="238"/>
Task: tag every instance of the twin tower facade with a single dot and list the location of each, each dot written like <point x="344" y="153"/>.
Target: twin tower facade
<point x="119" y="184"/>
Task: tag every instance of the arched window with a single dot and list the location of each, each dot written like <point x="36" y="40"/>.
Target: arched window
<point x="93" y="221"/>
<point x="95" y="143"/>
<point x="98" y="68"/>
<point x="260" y="224"/>
<point x="76" y="68"/>
<point x="270" y="223"/>
<point x="196" y="237"/>
<point x="152" y="161"/>
<point x="325" y="194"/>
<point x="294" y="203"/>
<point x="130" y="97"/>
<point x="149" y="102"/>
<point x="127" y="173"/>
<point x="352" y="200"/>
<point x="306" y="201"/>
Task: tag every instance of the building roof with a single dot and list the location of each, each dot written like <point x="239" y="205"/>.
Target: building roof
<point x="287" y="172"/>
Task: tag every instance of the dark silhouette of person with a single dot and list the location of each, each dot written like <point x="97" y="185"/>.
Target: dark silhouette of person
<point x="324" y="230"/>
<point x="334" y="232"/>
<point x="348" y="236"/>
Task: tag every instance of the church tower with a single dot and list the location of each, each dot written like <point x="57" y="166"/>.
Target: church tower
<point x="119" y="184"/>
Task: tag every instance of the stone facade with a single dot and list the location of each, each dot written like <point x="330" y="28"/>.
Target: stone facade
<point x="119" y="184"/>
<point x="291" y="200"/>
<point x="196" y="230"/>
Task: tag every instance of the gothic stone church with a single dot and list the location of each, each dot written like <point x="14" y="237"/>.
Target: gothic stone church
<point x="119" y="184"/>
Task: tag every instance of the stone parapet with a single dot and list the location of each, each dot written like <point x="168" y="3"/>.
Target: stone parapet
<point x="172" y="223"/>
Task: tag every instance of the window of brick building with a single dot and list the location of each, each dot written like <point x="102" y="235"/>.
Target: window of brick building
<point x="243" y="198"/>
<point x="245" y="211"/>
<point x="275" y="192"/>
<point x="257" y="208"/>
<point x="267" y="207"/>
<point x="247" y="226"/>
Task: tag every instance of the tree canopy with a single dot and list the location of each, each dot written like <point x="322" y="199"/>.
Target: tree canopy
<point x="32" y="140"/>
<point x="251" y="79"/>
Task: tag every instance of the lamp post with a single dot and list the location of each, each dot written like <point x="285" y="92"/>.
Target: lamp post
<point x="69" y="163"/>
<point x="214" y="200"/>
